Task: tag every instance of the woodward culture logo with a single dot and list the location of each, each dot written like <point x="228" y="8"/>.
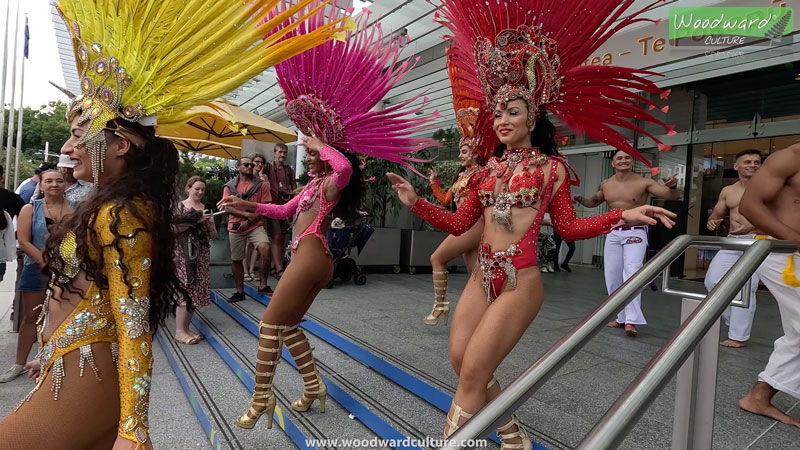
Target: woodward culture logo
<point x="754" y="22"/>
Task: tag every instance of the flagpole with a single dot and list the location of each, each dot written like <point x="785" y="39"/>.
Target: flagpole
<point x="3" y="84"/>
<point x="13" y="94"/>
<point x="21" y="107"/>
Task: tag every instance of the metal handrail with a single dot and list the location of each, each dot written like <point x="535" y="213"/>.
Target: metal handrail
<point x="513" y="396"/>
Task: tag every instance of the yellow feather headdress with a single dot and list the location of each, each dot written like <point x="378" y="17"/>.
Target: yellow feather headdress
<point x="151" y="61"/>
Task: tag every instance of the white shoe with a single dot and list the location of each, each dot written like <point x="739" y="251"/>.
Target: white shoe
<point x="12" y="373"/>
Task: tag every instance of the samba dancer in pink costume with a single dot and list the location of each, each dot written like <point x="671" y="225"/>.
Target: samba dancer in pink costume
<point x="331" y="91"/>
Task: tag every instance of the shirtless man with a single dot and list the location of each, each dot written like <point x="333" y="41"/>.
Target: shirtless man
<point x="772" y="204"/>
<point x="739" y="320"/>
<point x="626" y="247"/>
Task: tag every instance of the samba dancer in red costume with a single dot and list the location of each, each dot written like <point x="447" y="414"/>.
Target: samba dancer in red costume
<point x="527" y="71"/>
<point x="475" y="147"/>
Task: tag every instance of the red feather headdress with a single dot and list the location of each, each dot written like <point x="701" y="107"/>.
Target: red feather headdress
<point x="533" y="50"/>
<point x="472" y="116"/>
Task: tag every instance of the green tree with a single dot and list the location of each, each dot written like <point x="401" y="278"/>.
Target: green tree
<point x="47" y="124"/>
<point x="214" y="170"/>
<point x="380" y="200"/>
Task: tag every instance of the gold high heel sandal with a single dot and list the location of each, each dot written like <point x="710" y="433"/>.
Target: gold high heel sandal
<point x="263" y="391"/>
<point x="247" y="422"/>
<point x="453" y="424"/>
<point x="317" y="391"/>
<point x="440" y="302"/>
<point x="525" y="440"/>
<point x="314" y="388"/>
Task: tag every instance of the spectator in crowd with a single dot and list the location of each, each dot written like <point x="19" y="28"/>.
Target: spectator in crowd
<point x="247" y="227"/>
<point x="28" y="188"/>
<point x="195" y="228"/>
<point x="282" y="183"/>
<point x="251" y="256"/>
<point x="76" y="190"/>
<point x="34" y="221"/>
<point x="12" y="204"/>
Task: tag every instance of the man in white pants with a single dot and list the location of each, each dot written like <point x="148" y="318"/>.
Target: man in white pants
<point x="739" y="320"/>
<point x="772" y="203"/>
<point x="626" y="247"/>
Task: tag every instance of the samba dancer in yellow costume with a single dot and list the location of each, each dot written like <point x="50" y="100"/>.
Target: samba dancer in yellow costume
<point x="113" y="280"/>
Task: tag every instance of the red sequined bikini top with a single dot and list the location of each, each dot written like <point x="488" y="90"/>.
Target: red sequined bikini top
<point x="521" y="190"/>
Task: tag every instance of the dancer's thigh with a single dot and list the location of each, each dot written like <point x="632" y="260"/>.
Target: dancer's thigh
<point x="309" y="270"/>
<point x="85" y="415"/>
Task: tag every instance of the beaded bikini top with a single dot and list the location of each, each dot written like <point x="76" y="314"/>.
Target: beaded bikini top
<point x="521" y="190"/>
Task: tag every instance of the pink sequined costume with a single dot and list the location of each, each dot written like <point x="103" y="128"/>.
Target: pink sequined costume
<point x="331" y="92"/>
<point x="313" y="194"/>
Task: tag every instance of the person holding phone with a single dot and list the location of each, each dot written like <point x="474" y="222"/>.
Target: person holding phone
<point x="194" y="230"/>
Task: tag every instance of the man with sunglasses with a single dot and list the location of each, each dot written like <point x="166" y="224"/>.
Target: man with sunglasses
<point x="245" y="227"/>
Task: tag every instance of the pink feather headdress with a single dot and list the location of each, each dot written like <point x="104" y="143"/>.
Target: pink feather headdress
<point x="332" y="90"/>
<point x="533" y="50"/>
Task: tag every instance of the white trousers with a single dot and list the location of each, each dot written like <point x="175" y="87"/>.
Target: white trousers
<point x="783" y="369"/>
<point x="623" y="255"/>
<point x="739" y="320"/>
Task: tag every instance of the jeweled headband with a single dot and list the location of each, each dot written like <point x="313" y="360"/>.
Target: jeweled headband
<point x="467" y="119"/>
<point x="315" y="118"/>
<point x="519" y="64"/>
<point x="103" y="82"/>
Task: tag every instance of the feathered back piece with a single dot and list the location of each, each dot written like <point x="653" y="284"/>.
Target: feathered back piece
<point x="533" y="50"/>
<point x="473" y="118"/>
<point x="332" y="90"/>
<point x="152" y="60"/>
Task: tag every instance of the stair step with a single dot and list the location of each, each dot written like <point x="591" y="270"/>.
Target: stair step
<point x="365" y="415"/>
<point x="217" y="396"/>
<point x="288" y="386"/>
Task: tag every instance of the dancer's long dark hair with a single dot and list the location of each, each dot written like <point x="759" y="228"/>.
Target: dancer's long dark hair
<point x="349" y="203"/>
<point x="543" y="136"/>
<point x="145" y="188"/>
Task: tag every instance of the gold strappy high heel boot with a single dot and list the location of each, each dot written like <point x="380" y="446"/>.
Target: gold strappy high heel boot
<point x="440" y="302"/>
<point x="505" y="435"/>
<point x="313" y="386"/>
<point x="270" y="342"/>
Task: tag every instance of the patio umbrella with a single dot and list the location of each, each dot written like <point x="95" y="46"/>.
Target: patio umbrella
<point x="206" y="147"/>
<point x="226" y="124"/>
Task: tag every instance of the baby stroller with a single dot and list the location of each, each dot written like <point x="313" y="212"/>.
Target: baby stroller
<point x="547" y="253"/>
<point x="341" y="240"/>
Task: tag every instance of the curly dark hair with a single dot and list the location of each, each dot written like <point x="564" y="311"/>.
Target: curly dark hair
<point x="543" y="136"/>
<point x="146" y="188"/>
<point x="352" y="194"/>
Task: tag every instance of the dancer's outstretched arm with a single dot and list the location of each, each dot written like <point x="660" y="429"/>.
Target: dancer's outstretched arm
<point x="572" y="228"/>
<point x="454" y="223"/>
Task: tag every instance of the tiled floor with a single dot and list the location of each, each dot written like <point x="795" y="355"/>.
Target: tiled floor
<point x="385" y="317"/>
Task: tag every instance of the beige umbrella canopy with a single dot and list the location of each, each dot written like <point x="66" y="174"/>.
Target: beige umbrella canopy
<point x="206" y="147"/>
<point x="226" y="125"/>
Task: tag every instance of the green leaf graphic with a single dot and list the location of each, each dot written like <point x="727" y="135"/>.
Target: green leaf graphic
<point x="779" y="29"/>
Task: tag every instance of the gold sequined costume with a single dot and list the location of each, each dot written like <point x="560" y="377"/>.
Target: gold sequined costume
<point x="117" y="316"/>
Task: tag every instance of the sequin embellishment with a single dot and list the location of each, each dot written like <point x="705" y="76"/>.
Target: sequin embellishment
<point x="132" y="365"/>
<point x="129" y="424"/>
<point x="142" y="385"/>
<point x="136" y="309"/>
